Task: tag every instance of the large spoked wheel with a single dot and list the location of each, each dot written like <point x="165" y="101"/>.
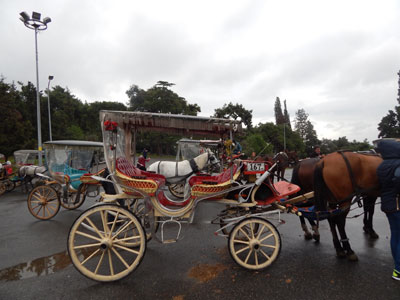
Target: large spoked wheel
<point x="75" y="200"/>
<point x="177" y="190"/>
<point x="106" y="243"/>
<point x="43" y="202"/>
<point x="254" y="243"/>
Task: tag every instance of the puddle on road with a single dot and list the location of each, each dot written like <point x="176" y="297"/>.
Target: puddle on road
<point x="206" y="272"/>
<point x="39" y="267"/>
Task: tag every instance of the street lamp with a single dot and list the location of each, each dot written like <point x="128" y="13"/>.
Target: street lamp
<point x="48" y="105"/>
<point x="37" y="24"/>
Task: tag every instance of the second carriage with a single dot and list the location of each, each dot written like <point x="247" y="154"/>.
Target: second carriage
<point x="67" y="181"/>
<point x="108" y="241"/>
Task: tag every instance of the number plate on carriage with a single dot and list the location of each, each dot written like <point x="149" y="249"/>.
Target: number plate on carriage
<point x="255" y="167"/>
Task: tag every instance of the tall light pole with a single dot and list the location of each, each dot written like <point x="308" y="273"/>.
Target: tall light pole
<point x="36" y="24"/>
<point x="48" y="105"/>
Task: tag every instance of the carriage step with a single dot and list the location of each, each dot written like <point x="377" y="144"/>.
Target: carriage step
<point x="170" y="241"/>
<point x="169" y="222"/>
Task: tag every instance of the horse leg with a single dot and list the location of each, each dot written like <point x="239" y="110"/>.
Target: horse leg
<point x="315" y="230"/>
<point x="369" y="209"/>
<point x="341" y="223"/>
<point x="307" y="234"/>
<point x="336" y="243"/>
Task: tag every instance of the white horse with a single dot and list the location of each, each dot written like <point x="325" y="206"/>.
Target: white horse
<point x="176" y="173"/>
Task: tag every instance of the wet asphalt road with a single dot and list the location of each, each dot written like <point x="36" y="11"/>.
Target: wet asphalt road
<point x="33" y="263"/>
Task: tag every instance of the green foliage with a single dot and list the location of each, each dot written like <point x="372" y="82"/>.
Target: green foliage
<point x="390" y="124"/>
<point x="235" y="111"/>
<point x="389" y="127"/>
<point x="255" y="143"/>
<point x="305" y="129"/>
<point x="160" y="99"/>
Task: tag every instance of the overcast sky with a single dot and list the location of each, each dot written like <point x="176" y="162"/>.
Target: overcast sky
<point x="338" y="60"/>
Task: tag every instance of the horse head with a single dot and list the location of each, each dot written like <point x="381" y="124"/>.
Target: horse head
<point x="213" y="160"/>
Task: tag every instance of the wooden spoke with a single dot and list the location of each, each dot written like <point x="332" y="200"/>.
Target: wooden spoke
<point x="242" y="251"/>
<point x="117" y="259"/>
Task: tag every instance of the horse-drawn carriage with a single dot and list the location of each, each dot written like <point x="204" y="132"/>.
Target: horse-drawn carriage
<point x="108" y="241"/>
<point x="6" y="171"/>
<point x="70" y="165"/>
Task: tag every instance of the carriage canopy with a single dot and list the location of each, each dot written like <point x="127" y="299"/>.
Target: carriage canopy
<point x="170" y="123"/>
<point x="26" y="157"/>
<point x="127" y="123"/>
<point x="63" y="156"/>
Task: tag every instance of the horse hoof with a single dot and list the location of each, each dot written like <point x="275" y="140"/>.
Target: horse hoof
<point x="316" y="237"/>
<point x="308" y="236"/>
<point x="340" y="254"/>
<point x="373" y="235"/>
<point x="352" y="257"/>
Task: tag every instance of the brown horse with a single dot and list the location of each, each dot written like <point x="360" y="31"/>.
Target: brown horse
<point x="303" y="176"/>
<point x="282" y="162"/>
<point x="293" y="157"/>
<point x="338" y="178"/>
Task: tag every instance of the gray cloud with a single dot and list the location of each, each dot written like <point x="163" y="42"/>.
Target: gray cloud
<point x="338" y="61"/>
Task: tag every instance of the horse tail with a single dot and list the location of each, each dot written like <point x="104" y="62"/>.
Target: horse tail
<point x="320" y="188"/>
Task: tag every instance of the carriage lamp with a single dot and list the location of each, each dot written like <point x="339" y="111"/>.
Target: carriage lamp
<point x="36" y="24"/>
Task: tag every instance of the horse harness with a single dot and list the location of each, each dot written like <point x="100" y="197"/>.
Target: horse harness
<point x="193" y="165"/>
<point x="358" y="191"/>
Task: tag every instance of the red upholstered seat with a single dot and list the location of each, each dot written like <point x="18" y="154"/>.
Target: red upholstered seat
<point x="127" y="168"/>
<point x="218" y="179"/>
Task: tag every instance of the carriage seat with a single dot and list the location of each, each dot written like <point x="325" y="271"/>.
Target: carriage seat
<point x="205" y="185"/>
<point x="136" y="178"/>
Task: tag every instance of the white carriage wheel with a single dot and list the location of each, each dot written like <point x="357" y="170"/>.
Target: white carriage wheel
<point x="106" y="243"/>
<point x="254" y="243"/>
<point x="43" y="202"/>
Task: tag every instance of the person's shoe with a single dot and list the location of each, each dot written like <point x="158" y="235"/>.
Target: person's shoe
<point x="396" y="275"/>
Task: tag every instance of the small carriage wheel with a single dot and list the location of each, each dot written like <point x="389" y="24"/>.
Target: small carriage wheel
<point x="177" y="190"/>
<point x="10" y="185"/>
<point x="97" y="244"/>
<point x="75" y="200"/>
<point x="254" y="249"/>
<point x="43" y="202"/>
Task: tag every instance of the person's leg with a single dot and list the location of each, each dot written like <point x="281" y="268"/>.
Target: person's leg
<point x="394" y="222"/>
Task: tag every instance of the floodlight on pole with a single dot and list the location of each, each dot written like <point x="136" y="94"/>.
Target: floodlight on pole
<point x="48" y="106"/>
<point x="36" y="24"/>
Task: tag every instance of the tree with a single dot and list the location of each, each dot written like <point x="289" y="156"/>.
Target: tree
<point x="279" y="117"/>
<point x="390" y="124"/>
<point x="235" y="111"/>
<point x="305" y="129"/>
<point x="160" y="99"/>
<point x="15" y="131"/>
<point x="286" y="116"/>
<point x="255" y="143"/>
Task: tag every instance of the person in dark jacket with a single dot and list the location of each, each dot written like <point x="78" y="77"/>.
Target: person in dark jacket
<point x="389" y="178"/>
<point x="317" y="152"/>
<point x="141" y="163"/>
